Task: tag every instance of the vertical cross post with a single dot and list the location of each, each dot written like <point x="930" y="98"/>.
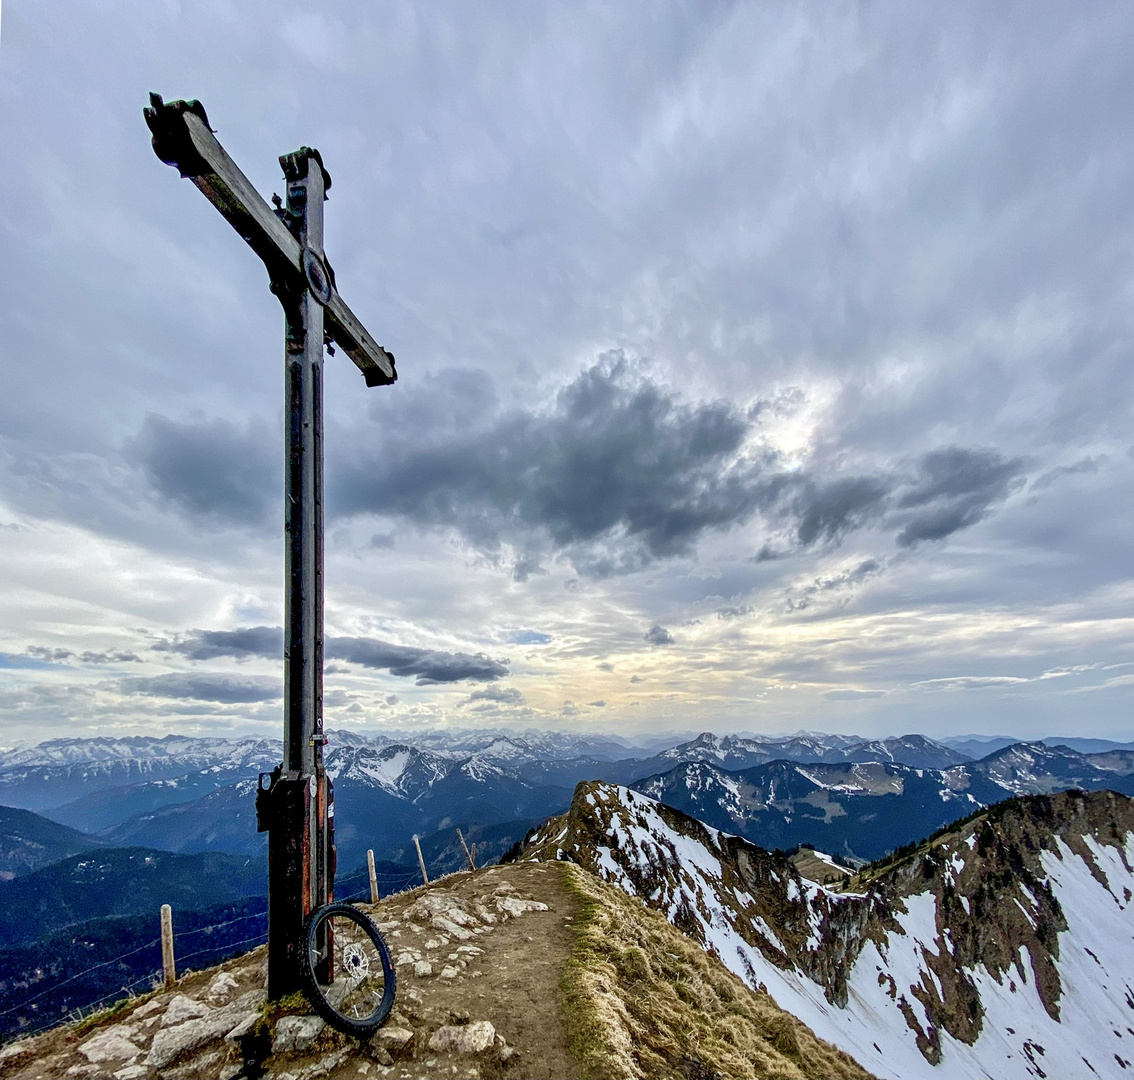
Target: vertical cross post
<point x="301" y="841"/>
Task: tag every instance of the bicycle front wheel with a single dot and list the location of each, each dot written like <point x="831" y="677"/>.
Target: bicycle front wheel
<point x="350" y="978"/>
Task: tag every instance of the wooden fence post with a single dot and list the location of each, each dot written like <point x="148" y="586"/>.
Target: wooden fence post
<point x="169" y="969"/>
<point x="420" y="858"/>
<point x="373" y="877"/>
<point x="468" y="855"/>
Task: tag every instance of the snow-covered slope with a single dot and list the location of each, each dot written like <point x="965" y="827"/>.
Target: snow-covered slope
<point x="1003" y="949"/>
<point x="400" y="770"/>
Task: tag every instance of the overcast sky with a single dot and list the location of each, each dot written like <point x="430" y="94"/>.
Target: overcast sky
<point x="762" y="367"/>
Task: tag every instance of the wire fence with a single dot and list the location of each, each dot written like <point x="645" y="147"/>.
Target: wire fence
<point x="52" y="1005"/>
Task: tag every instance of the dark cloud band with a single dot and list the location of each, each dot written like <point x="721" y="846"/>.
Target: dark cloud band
<point x="428" y="666"/>
<point x="206" y="686"/>
<point x="616" y="473"/>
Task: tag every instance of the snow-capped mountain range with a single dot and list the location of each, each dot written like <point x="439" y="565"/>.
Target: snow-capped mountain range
<point x="861" y="810"/>
<point x="1002" y="949"/>
<point x="854" y="797"/>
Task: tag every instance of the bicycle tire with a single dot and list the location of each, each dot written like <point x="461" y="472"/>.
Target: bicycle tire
<point x="342" y="982"/>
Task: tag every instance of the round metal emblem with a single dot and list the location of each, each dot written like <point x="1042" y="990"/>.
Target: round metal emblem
<point x="318" y="280"/>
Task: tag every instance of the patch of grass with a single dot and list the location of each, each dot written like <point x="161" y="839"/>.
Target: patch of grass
<point x="271" y="1012"/>
<point x="101" y="1016"/>
<point x="643" y="1000"/>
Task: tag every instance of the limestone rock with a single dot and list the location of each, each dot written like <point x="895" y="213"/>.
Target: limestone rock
<point x="450" y="972"/>
<point x="132" y="1072"/>
<point x="296" y="1033"/>
<point x="15" y="1049"/>
<point x="447" y="926"/>
<point x="182" y="1008"/>
<point x="221" y="987"/>
<point x="171" y="1042"/>
<point x="243" y="1026"/>
<point x="111" y="1044"/>
<point x="516" y="907"/>
<point x="422" y="968"/>
<point x="394" y="1038"/>
<point x="322" y="1067"/>
<point x="465" y="1038"/>
<point x="428" y="908"/>
<point x="485" y="915"/>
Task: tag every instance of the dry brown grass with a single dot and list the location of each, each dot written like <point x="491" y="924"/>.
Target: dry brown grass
<point x="644" y="1001"/>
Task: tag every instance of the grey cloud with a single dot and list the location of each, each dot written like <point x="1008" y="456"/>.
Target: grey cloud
<point x="205" y="686"/>
<point x="527" y="637"/>
<point x="59" y="656"/>
<point x="956" y="488"/>
<point x="616" y="460"/>
<point x="636" y="679"/>
<point x="853" y="695"/>
<point x="658" y="635"/>
<point x="969" y="682"/>
<point x="211" y="468"/>
<point x="51" y="656"/>
<point x="504" y="695"/>
<point x="827" y="511"/>
<point x="525" y="566"/>
<point x="785" y="403"/>
<point x="1084" y="465"/>
<point x="801" y="598"/>
<point x="618" y="472"/>
<point x="739" y="612"/>
<point x="597" y="704"/>
<point x="430" y="666"/>
<point x="265" y="641"/>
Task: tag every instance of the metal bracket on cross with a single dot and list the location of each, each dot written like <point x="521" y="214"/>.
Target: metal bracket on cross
<point x="295" y="802"/>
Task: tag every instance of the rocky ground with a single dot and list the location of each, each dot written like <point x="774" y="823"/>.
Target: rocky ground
<point x="537" y="971"/>
<point x="478" y="960"/>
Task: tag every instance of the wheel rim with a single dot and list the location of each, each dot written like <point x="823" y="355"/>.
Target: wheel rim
<point x="347" y="967"/>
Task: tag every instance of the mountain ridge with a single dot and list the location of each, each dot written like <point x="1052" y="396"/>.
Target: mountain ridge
<point x="994" y="949"/>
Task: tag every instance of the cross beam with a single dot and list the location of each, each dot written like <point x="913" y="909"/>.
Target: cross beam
<point x="295" y="802"/>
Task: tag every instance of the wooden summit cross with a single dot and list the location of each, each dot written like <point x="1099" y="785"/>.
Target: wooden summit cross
<point x="294" y="803"/>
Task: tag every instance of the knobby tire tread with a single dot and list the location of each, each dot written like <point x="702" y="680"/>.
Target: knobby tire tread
<point x="360" y="1028"/>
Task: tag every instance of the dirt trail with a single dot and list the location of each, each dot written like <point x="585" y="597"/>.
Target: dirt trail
<point x="513" y="983"/>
